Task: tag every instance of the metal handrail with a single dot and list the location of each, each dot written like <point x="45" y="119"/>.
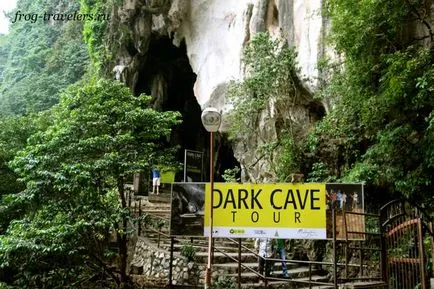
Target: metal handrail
<point x="242" y="265"/>
<point x="290" y="261"/>
<point x="270" y="277"/>
<point x="309" y="263"/>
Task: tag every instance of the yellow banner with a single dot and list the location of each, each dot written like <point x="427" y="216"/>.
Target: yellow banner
<point x="262" y="206"/>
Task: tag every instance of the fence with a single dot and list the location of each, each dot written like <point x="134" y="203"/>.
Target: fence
<point x="357" y="260"/>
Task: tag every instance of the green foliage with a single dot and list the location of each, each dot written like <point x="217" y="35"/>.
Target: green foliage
<point x="224" y="282"/>
<point x="151" y="221"/>
<point x="4" y="51"/>
<point x="379" y="130"/>
<point x="188" y="251"/>
<point x="268" y="89"/>
<point x="53" y="248"/>
<point x="290" y="156"/>
<point x="75" y="171"/>
<point x="270" y="66"/>
<point x="94" y="31"/>
<point x="318" y="173"/>
<point x="13" y="138"/>
<point x="40" y="59"/>
<point x="37" y="61"/>
<point x="230" y="175"/>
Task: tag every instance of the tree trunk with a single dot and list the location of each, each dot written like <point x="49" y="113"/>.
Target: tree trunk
<point x="122" y="239"/>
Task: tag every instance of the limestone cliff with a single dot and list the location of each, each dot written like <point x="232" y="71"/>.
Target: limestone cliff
<point x="211" y="35"/>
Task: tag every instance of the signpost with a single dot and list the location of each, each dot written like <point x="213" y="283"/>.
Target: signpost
<point x="287" y="210"/>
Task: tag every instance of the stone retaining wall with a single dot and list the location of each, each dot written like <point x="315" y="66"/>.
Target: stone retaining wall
<point x="155" y="262"/>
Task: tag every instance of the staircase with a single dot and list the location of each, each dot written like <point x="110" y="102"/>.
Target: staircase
<point x="226" y="251"/>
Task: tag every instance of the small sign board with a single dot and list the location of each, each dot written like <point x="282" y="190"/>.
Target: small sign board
<point x="167" y="176"/>
<point x="193" y="166"/>
<point x="187" y="209"/>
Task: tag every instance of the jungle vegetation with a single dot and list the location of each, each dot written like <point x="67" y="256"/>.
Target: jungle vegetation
<point x="380" y="130"/>
<point x="70" y="138"/>
<point x="380" y="80"/>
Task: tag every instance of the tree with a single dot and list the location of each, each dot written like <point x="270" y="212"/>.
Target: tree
<point x="13" y="138"/>
<point x="40" y="59"/>
<point x="75" y="173"/>
<point x="379" y="130"/>
<point x="37" y="61"/>
<point x="268" y="93"/>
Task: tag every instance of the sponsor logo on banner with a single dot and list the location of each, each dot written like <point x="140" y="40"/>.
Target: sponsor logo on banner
<point x="237" y="231"/>
<point x="267" y="210"/>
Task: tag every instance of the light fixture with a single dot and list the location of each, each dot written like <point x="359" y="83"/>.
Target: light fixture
<point x="211" y="119"/>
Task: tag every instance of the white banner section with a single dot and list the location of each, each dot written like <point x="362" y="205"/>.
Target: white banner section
<point x="275" y="233"/>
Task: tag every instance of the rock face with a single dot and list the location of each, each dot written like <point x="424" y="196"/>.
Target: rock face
<point x="213" y="34"/>
<point x="216" y="32"/>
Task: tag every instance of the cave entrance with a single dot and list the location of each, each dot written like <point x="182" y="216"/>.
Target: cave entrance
<point x="168" y="77"/>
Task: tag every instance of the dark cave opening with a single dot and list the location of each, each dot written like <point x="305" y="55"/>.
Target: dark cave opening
<point x="168" y="77"/>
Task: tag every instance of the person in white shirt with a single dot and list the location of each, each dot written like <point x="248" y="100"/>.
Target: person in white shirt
<point x="265" y="250"/>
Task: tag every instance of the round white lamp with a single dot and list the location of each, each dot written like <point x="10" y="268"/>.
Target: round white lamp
<point x="211" y="119"/>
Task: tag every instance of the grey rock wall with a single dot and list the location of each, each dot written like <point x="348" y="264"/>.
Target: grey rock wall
<point x="155" y="263"/>
<point x="215" y="33"/>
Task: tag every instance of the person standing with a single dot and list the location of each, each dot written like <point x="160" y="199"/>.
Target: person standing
<point x="340" y="199"/>
<point x="155" y="181"/>
<point x="333" y="199"/>
<point x="280" y="249"/>
<point x="265" y="250"/>
<point x="355" y="200"/>
<point x="344" y="201"/>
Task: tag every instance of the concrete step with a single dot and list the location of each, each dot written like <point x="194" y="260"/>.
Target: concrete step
<point x="257" y="284"/>
<point x="365" y="284"/>
<point x="317" y="287"/>
<point x="219" y="258"/>
<point x="158" y="211"/>
<point x="147" y="206"/>
<point x="284" y="284"/>
<point x="161" y="198"/>
<point x="295" y="273"/>
<point x="204" y="247"/>
<point x="314" y="278"/>
<point x="232" y="267"/>
<point x="291" y="283"/>
<point x="202" y="243"/>
<point x="199" y="247"/>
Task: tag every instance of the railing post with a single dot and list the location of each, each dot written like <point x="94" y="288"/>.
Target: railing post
<point x="310" y="275"/>
<point x="335" y="263"/>
<point x="361" y="258"/>
<point x="239" y="263"/>
<point x="140" y="220"/>
<point x="265" y="273"/>
<point x="383" y="254"/>
<point x="159" y="237"/>
<point x="421" y="255"/>
<point x="431" y="233"/>
<point x="172" y="241"/>
<point x="344" y="215"/>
